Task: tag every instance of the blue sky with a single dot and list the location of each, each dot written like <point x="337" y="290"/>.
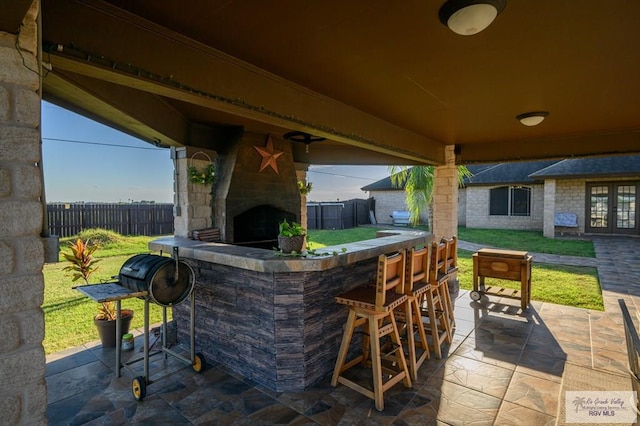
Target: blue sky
<point x="86" y="161"/>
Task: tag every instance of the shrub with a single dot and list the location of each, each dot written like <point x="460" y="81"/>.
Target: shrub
<point x="100" y="236"/>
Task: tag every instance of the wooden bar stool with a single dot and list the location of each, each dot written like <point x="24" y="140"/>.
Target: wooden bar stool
<point x="434" y="305"/>
<point x="373" y="308"/>
<point x="450" y="268"/>
<point x="416" y="286"/>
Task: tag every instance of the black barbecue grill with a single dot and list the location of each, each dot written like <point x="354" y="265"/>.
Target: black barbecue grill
<point x="157" y="275"/>
<point x="162" y="280"/>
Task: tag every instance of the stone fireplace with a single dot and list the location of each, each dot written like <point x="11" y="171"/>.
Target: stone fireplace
<point x="256" y="199"/>
<point x="254" y="190"/>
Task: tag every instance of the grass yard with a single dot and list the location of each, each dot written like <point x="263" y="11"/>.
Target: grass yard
<point x="69" y="314"/>
<point x="532" y="241"/>
<point x="560" y="284"/>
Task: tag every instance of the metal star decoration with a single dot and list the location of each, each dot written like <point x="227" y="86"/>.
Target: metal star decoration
<point x="269" y="156"/>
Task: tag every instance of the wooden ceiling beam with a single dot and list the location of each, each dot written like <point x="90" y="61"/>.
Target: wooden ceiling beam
<point x="137" y="52"/>
<point x="139" y="114"/>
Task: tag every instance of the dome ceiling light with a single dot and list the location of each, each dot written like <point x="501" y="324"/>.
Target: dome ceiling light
<point x="469" y="17"/>
<point x="532" y="118"/>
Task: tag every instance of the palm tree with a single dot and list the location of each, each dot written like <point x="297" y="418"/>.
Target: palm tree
<point x="418" y="185"/>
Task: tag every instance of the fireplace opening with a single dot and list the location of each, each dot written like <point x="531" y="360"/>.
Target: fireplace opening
<point x="258" y="226"/>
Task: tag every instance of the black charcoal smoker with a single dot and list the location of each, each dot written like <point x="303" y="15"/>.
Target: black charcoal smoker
<point x="164" y="281"/>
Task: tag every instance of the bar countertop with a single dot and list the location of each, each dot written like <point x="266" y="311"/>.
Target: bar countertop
<point x="262" y="260"/>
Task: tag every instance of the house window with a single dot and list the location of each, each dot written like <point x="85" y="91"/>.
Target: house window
<point x="510" y="201"/>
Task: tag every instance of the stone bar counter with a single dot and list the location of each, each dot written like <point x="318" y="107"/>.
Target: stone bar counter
<point x="273" y="319"/>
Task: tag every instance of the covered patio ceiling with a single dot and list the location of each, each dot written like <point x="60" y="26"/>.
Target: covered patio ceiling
<point x="385" y="82"/>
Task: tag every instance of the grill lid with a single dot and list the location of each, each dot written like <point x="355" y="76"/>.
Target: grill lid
<point x="157" y="275"/>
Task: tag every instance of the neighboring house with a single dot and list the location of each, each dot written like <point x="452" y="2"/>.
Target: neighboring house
<point x="600" y="192"/>
<point x="388" y="198"/>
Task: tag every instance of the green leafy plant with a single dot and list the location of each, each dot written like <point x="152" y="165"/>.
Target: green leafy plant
<point x="292" y="229"/>
<point x="81" y="260"/>
<point x="304" y="187"/>
<point x="83" y="265"/>
<point x="203" y="177"/>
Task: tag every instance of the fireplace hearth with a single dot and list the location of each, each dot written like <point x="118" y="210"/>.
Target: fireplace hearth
<point x="258" y="226"/>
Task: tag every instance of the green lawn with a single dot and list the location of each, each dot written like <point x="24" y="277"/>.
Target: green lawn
<point x="560" y="284"/>
<point x="532" y="241"/>
<point x="68" y="314"/>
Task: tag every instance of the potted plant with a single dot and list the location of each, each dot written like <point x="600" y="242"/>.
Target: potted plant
<point x="291" y="237"/>
<point x="83" y="265"/>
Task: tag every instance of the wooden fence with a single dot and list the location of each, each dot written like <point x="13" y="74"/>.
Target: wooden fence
<point x="339" y="215"/>
<point x="127" y="219"/>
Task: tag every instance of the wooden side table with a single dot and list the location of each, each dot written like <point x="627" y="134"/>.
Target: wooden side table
<point x="503" y="264"/>
<point x="113" y="292"/>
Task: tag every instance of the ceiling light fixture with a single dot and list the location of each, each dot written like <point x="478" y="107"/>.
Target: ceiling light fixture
<point x="304" y="138"/>
<point x="532" y="118"/>
<point x="468" y="17"/>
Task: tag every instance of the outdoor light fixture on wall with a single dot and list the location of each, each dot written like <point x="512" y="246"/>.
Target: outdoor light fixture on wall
<point x="304" y="138"/>
<point x="532" y="118"/>
<point x="468" y="17"/>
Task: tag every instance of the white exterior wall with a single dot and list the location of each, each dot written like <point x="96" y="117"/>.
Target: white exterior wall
<point x="389" y="201"/>
<point x="570" y="198"/>
<point x="462" y="206"/>
<point x="477" y="210"/>
<point x="548" y="228"/>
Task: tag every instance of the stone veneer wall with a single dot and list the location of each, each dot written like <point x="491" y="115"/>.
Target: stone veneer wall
<point x="23" y="395"/>
<point x="282" y="330"/>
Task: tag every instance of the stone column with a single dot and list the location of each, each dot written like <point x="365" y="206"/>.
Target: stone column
<point x="23" y="394"/>
<point x="549" y="216"/>
<point x="301" y="175"/>
<point x="192" y="201"/>
<point x="445" y="197"/>
<point x="445" y="207"/>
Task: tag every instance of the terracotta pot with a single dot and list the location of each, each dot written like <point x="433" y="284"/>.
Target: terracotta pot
<point x="290" y="244"/>
<point x="107" y="329"/>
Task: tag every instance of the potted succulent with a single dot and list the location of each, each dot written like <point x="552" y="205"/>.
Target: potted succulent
<point x="83" y="265"/>
<point x="291" y="237"/>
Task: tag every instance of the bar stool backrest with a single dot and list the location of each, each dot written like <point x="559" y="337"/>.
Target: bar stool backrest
<point x="438" y="260"/>
<point x="390" y="275"/>
<point x="418" y="265"/>
<point x="451" y="254"/>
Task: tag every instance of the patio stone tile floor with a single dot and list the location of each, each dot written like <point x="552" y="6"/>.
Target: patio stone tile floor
<point x="504" y="366"/>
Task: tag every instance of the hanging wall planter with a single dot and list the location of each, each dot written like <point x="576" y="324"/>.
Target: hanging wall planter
<point x="204" y="176"/>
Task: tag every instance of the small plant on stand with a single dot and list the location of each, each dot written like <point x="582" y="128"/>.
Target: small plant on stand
<point x="83" y="265"/>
